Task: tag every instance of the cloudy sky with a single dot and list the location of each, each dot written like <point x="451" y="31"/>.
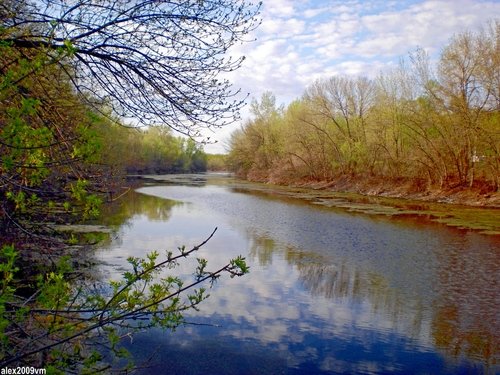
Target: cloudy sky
<point x="302" y="40"/>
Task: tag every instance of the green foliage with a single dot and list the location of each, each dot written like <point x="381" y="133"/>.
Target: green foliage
<point x="408" y="125"/>
<point x="63" y="317"/>
<point x="239" y="264"/>
<point x="7" y="270"/>
<point x="258" y="146"/>
<point x="85" y="205"/>
<point x="151" y="150"/>
<point x="89" y="144"/>
<point x="54" y="289"/>
<point x="217" y="162"/>
<point x="47" y="145"/>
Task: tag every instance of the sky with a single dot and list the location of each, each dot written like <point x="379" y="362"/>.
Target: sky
<point x="300" y="41"/>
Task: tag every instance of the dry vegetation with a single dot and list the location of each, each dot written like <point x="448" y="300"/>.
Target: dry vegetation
<point x="421" y="130"/>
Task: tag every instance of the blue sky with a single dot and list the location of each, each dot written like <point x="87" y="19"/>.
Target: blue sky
<point x="300" y="41"/>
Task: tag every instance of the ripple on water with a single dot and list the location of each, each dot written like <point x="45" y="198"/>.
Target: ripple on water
<point x="328" y="291"/>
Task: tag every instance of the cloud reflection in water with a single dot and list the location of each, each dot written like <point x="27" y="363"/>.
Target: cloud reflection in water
<point x="326" y="293"/>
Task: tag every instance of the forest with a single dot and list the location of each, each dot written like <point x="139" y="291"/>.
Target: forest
<point x="150" y="150"/>
<point x="423" y="125"/>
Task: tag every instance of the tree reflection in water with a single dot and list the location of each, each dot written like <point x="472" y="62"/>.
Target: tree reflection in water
<point x="466" y="317"/>
<point x="134" y="203"/>
<point x="463" y="319"/>
<point x="329" y="290"/>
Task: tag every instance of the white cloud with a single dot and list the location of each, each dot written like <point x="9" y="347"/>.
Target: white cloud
<point x="279" y="8"/>
<point x="313" y="12"/>
<point x="283" y="28"/>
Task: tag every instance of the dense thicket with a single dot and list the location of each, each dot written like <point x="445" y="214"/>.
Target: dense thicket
<point x="48" y="150"/>
<point x="217" y="162"/>
<point x="433" y="126"/>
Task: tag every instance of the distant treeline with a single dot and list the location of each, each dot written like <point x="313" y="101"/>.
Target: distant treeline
<point x="433" y="125"/>
<point x="217" y="162"/>
<point x="151" y="150"/>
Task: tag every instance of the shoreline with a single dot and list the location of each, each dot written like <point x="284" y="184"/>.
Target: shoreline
<point x="374" y="187"/>
<point x="452" y="212"/>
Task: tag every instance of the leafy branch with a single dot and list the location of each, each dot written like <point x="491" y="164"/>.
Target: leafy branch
<point x="64" y="322"/>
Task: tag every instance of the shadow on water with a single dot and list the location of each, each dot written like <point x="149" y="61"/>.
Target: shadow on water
<point x="328" y="292"/>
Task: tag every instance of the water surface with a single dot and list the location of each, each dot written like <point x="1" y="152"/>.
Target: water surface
<point x="329" y="291"/>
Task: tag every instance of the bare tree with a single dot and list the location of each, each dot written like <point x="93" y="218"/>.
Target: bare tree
<point x="150" y="61"/>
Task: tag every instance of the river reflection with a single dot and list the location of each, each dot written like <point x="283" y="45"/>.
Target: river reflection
<point x="328" y="292"/>
<point x="466" y="314"/>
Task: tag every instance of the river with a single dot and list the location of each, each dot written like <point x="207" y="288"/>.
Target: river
<point x="329" y="291"/>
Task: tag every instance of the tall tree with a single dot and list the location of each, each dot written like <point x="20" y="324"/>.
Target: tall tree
<point x="468" y="93"/>
<point x="153" y="61"/>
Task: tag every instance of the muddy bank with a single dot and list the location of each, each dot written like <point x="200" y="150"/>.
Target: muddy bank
<point x="477" y="196"/>
<point x="483" y="219"/>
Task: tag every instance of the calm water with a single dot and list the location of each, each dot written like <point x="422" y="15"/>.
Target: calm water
<point x="328" y="291"/>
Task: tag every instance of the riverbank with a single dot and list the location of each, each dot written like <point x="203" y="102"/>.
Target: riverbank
<point x="477" y="196"/>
